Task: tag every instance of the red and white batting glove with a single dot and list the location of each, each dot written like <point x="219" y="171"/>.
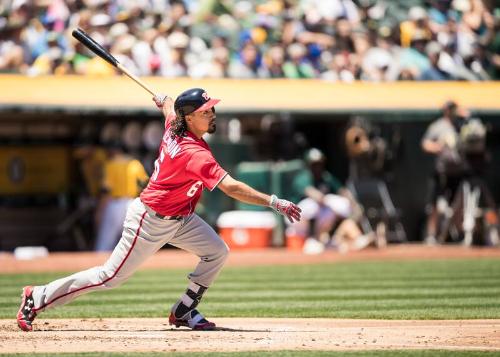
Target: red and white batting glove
<point x="288" y="209"/>
<point x="160" y="99"/>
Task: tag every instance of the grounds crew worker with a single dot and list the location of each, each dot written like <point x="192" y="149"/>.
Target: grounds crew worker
<point x="164" y="213"/>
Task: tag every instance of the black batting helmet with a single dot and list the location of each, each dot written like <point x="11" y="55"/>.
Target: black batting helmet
<point x="193" y="100"/>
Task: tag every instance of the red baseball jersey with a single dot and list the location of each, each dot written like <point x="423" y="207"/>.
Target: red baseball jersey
<point x="184" y="167"/>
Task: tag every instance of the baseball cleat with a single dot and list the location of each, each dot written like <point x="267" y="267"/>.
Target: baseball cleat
<point x="193" y="319"/>
<point x="26" y="315"/>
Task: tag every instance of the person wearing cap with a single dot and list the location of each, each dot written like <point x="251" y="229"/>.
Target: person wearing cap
<point x="434" y="72"/>
<point x="440" y="140"/>
<point x="328" y="208"/>
<point x="417" y="22"/>
<point x="164" y="213"/>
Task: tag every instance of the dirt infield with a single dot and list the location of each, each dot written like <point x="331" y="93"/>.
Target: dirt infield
<point x="248" y="334"/>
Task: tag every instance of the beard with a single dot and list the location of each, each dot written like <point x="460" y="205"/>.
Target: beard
<point x="212" y="128"/>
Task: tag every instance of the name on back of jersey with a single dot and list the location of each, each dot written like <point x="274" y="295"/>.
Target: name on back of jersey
<point x="172" y="145"/>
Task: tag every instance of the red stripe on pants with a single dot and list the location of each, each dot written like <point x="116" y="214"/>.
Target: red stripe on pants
<point x="108" y="279"/>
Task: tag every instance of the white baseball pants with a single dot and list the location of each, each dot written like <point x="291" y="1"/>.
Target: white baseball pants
<point x="143" y="235"/>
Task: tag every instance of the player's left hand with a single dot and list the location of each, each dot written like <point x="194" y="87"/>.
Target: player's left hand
<point x="288" y="209"/>
<point x="160" y="99"/>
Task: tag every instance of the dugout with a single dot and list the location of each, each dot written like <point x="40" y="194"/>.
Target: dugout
<point x="43" y="120"/>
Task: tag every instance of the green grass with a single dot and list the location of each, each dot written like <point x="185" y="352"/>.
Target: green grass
<point x="447" y="289"/>
<point x="410" y="353"/>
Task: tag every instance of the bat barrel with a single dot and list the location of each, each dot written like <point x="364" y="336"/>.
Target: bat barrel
<point x="86" y="40"/>
<point x="89" y="42"/>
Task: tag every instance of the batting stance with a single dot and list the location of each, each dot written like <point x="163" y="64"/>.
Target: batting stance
<point x="164" y="213"/>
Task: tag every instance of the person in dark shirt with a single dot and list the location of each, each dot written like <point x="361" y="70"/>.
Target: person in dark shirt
<point x="327" y="207"/>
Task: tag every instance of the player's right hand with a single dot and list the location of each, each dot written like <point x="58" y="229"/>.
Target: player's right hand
<point x="160" y="99"/>
<point x="288" y="209"/>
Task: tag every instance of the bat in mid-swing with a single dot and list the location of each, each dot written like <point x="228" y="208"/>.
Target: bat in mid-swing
<point x="92" y="45"/>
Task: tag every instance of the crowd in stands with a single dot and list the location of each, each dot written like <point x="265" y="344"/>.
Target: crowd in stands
<point x="335" y="40"/>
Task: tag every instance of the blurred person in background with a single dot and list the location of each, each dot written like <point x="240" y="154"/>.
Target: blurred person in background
<point x="144" y="54"/>
<point x="464" y="28"/>
<point x="329" y="209"/>
<point x="11" y="48"/>
<point x="341" y="66"/>
<point x="219" y="64"/>
<point x="175" y="64"/>
<point x="441" y="141"/>
<point x="53" y="59"/>
<point x="378" y="61"/>
<point x="297" y="64"/>
<point x="124" y="177"/>
<point x="81" y="56"/>
<point x="434" y="72"/>
<point x="274" y="61"/>
<point x="248" y="64"/>
<point x="367" y="150"/>
<point x="417" y="23"/>
<point x="493" y="48"/>
<point x="122" y="48"/>
<point x="89" y="159"/>
<point x="343" y="36"/>
<point x="413" y="60"/>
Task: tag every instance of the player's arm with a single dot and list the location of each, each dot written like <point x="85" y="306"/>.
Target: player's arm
<point x="430" y="142"/>
<point x="315" y="194"/>
<point x="244" y="193"/>
<point x="432" y="146"/>
<point x="166" y="104"/>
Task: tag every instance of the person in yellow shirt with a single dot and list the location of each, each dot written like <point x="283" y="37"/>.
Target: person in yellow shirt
<point x="123" y="180"/>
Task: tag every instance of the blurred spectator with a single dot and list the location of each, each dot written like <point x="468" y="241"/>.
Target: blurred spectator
<point x="247" y="64"/>
<point x="492" y="50"/>
<point x="298" y="65"/>
<point x="341" y="67"/>
<point x="434" y="72"/>
<point x="413" y="60"/>
<point x="417" y="23"/>
<point x="379" y="59"/>
<point x="122" y="51"/>
<point x="274" y="61"/>
<point x="143" y="53"/>
<point x="175" y="64"/>
<point x="11" y="49"/>
<point x="335" y="39"/>
<point x="328" y="209"/>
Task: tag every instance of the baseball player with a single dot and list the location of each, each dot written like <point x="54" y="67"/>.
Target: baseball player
<point x="164" y="213"/>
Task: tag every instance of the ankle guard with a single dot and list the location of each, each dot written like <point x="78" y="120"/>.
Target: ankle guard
<point x="189" y="300"/>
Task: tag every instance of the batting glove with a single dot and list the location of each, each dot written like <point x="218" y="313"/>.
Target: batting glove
<point x="160" y="99"/>
<point x="286" y="208"/>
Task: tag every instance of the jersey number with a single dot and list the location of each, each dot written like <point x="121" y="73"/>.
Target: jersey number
<point x="158" y="161"/>
<point x="192" y="191"/>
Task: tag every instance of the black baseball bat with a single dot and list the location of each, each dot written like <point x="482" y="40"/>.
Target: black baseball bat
<point x="92" y="45"/>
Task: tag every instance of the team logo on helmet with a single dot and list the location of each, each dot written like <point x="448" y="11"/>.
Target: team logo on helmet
<point x="205" y="96"/>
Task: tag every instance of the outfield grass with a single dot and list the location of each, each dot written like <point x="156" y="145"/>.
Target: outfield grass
<point x="447" y="289"/>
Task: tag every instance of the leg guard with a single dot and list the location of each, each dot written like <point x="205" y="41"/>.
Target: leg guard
<point x="189" y="300"/>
